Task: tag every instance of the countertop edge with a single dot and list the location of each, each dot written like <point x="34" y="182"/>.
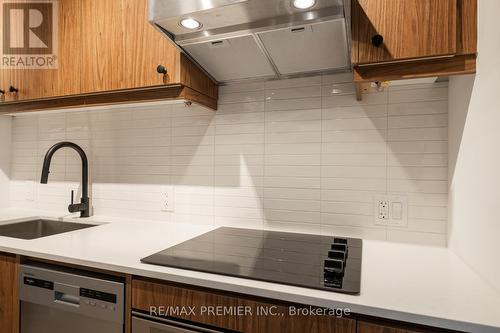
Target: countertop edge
<point x="426" y="320"/>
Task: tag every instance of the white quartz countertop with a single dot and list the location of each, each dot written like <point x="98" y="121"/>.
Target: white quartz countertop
<point x="418" y="284"/>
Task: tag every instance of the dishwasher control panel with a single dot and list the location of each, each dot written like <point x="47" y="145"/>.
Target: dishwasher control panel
<point x="85" y="294"/>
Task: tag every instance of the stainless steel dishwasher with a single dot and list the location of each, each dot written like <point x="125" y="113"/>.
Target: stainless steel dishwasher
<point x="143" y="323"/>
<point x="60" y="300"/>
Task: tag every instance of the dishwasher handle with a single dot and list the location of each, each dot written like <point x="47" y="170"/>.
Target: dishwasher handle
<point x="66" y="299"/>
<point x="66" y="294"/>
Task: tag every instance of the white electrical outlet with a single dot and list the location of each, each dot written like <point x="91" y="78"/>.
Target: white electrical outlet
<point x="391" y="210"/>
<point x="167" y="199"/>
<point x="383" y="210"/>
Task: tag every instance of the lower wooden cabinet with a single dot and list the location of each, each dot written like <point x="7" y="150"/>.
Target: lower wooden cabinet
<point x="381" y="326"/>
<point x="249" y="315"/>
<point x="9" y="295"/>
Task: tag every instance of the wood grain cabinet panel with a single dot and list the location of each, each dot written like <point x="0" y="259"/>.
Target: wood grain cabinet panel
<point x="107" y="46"/>
<point x="102" y="45"/>
<point x="9" y="297"/>
<point x="380" y="326"/>
<point x="63" y="80"/>
<point x="147" y="293"/>
<point x="405" y="39"/>
<point x="121" y="50"/>
<point x="145" y="48"/>
<point x="410" y="29"/>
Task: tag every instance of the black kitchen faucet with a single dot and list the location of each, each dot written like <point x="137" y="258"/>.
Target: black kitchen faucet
<point x="84" y="206"/>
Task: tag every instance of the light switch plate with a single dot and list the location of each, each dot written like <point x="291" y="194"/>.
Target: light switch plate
<point x="391" y="210"/>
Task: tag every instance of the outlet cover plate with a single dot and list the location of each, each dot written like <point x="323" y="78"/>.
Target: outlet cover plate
<point x="167" y="198"/>
<point x="384" y="210"/>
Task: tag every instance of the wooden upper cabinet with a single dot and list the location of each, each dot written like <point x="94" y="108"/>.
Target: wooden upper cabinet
<point x="149" y="49"/>
<point x="403" y="29"/>
<point x="405" y="39"/>
<point x="121" y="50"/>
<point x="102" y="45"/>
<point x="65" y="78"/>
<point x="108" y="53"/>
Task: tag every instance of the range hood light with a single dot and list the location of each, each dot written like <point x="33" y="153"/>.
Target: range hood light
<point x="303" y="4"/>
<point x="190" y="23"/>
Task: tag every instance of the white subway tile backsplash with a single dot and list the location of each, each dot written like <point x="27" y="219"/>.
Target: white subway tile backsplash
<point x="353" y="172"/>
<point x="296" y="92"/>
<point x="418" y="173"/>
<point x="295" y="155"/>
<point x="354" y="148"/>
<point x="313" y="114"/>
<point x="347" y="196"/>
<point x="293" y="104"/>
<point x="247" y="107"/>
<point x="342" y="207"/>
<point x="417" y="160"/>
<point x="360" y="111"/>
<point x="241" y="87"/>
<point x="292" y="193"/>
<point x="367" y="135"/>
<point x="350" y="100"/>
<point x="334" y="89"/>
<point x="293" y="182"/>
<point x="416" y="121"/>
<point x="245" y="97"/>
<point x="272" y="160"/>
<point x="337" y="78"/>
<point x="298" y="82"/>
<point x="417" y="95"/>
<point x="418" y="108"/>
<point x="418" y="134"/>
<point x="356" y="184"/>
<point x="417" y="186"/>
<point x="427" y="147"/>
<point x="378" y="123"/>
<point x="293" y="148"/>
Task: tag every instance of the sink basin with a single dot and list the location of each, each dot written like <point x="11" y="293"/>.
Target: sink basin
<point x="39" y="228"/>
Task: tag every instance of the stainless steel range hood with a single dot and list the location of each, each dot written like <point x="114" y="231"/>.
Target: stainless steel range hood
<point x="248" y="39"/>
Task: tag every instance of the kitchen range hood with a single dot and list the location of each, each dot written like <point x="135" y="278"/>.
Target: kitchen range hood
<point x="234" y="40"/>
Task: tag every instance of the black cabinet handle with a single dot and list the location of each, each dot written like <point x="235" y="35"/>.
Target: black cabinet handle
<point x="161" y="69"/>
<point x="13" y="89"/>
<point x="2" y="92"/>
<point x="377" y="40"/>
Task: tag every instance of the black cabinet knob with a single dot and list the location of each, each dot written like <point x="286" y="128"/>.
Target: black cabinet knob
<point x="161" y="69"/>
<point x="2" y="92"/>
<point x="377" y="40"/>
<point x="13" y="89"/>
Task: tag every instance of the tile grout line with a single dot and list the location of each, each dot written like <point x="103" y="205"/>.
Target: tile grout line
<point x="387" y="154"/>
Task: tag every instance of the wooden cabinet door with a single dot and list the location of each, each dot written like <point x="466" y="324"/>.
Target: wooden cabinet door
<point x="102" y="45"/>
<point x="64" y="79"/>
<point x="409" y="29"/>
<point x="9" y="294"/>
<point x="372" y="327"/>
<point x="145" y="48"/>
<point x="4" y="83"/>
<point x="279" y="319"/>
<point x="121" y="50"/>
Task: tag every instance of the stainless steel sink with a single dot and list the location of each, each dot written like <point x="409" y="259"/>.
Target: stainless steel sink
<point x="40" y="228"/>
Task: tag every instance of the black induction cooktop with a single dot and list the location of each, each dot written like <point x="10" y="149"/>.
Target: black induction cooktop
<point x="312" y="261"/>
